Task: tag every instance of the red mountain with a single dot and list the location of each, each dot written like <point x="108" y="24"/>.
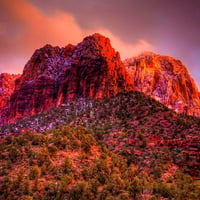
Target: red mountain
<point x="36" y="90"/>
<point x="94" y="69"/>
<point x="53" y="74"/>
<point x="165" y="79"/>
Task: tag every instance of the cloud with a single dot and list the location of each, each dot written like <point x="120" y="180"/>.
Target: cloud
<point x="24" y="28"/>
<point x="172" y="26"/>
<point x="127" y="49"/>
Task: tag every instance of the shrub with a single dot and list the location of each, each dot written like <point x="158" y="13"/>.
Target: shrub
<point x="67" y="165"/>
<point x="135" y="187"/>
<point x="14" y="153"/>
<point x="35" y="172"/>
<point x="52" y="149"/>
<point x="78" y="192"/>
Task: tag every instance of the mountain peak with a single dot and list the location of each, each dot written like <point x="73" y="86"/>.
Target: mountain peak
<point x="97" y="37"/>
<point x="97" y="67"/>
<point x="148" y="53"/>
<point x="93" y="69"/>
<point x="97" y="45"/>
<point x="90" y="69"/>
<point x="165" y="79"/>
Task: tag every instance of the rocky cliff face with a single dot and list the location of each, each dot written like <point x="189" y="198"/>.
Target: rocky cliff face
<point x="7" y="86"/>
<point x="165" y="79"/>
<point x="37" y="88"/>
<point x="94" y="69"/>
<point x="53" y="74"/>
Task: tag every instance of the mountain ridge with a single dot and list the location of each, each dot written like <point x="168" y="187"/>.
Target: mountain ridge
<point x="165" y="79"/>
<point x="94" y="69"/>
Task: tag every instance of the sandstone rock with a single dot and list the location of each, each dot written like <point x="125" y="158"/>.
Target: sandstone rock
<point x="96" y="71"/>
<point x="165" y="79"/>
<point x="36" y="90"/>
<point x="53" y="74"/>
<point x="7" y="86"/>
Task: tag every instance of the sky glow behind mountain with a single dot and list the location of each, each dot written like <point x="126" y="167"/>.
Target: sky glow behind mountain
<point x="169" y="27"/>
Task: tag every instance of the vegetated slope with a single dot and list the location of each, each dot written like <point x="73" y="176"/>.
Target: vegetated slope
<point x="70" y="163"/>
<point x="129" y="124"/>
<point x="133" y="124"/>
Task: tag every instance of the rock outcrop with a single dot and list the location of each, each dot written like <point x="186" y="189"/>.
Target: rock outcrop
<point x="36" y="89"/>
<point x="165" y="79"/>
<point x="7" y="86"/>
<point x="52" y="75"/>
<point x="94" y="69"/>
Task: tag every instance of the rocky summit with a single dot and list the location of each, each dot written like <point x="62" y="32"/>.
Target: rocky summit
<point x="165" y="79"/>
<point x="36" y="89"/>
<point x="94" y="69"/>
<point x="53" y="74"/>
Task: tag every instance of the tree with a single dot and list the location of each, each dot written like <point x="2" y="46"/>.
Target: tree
<point x="67" y="165"/>
<point x="135" y="188"/>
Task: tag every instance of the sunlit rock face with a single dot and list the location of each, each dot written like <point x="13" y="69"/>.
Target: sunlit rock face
<point x="7" y="86"/>
<point x="94" y="69"/>
<point x="165" y="79"/>
<point x="36" y="89"/>
<point x="53" y="75"/>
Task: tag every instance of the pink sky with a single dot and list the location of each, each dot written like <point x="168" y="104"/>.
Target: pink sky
<point x="26" y="25"/>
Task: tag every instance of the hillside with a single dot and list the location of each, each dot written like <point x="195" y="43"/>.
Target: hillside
<point x="125" y="147"/>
